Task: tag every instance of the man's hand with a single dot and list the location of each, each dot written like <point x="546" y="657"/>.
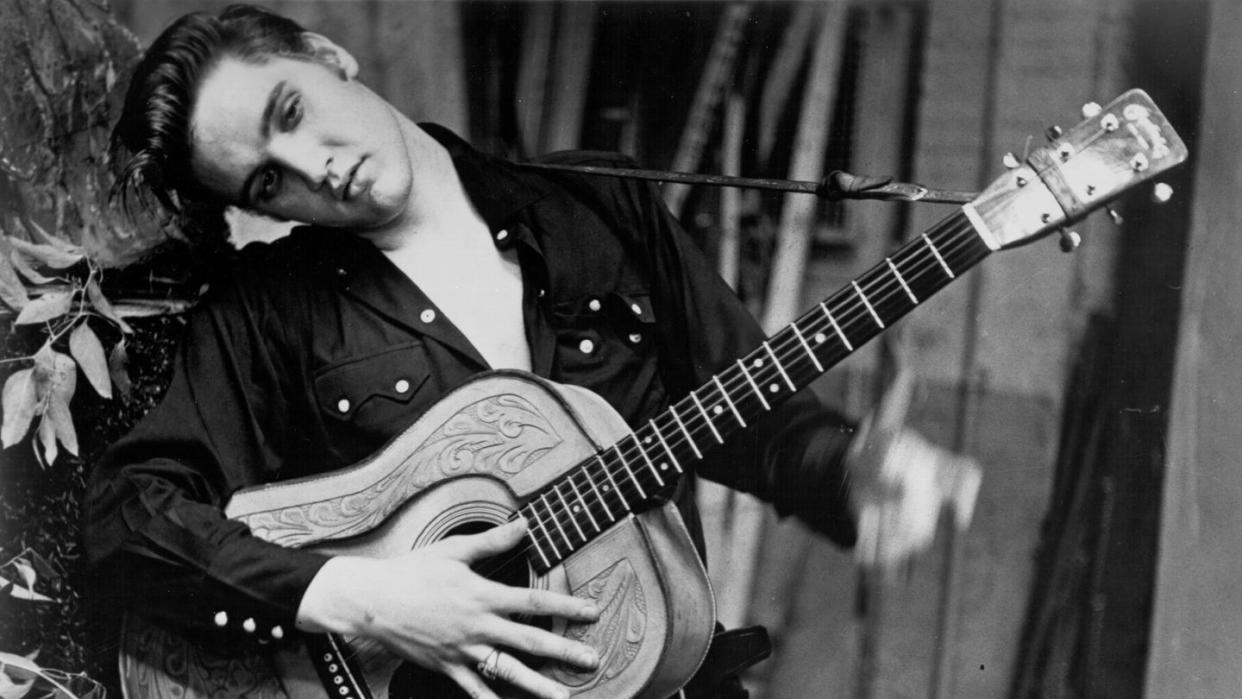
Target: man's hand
<point x="901" y="482"/>
<point x="430" y="608"/>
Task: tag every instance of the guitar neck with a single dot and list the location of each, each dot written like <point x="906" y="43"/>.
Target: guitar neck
<point x="622" y="479"/>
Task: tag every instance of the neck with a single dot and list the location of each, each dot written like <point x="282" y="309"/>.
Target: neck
<point x="437" y="201"/>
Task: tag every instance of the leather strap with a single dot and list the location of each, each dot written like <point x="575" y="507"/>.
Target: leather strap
<point x="730" y="653"/>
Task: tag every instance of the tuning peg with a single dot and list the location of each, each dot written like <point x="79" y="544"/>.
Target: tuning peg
<point x="1069" y="240"/>
<point x="1116" y="217"/>
<point x="1010" y="161"/>
<point x="1053" y="133"/>
<point x="1161" y="193"/>
<point x="1090" y="110"/>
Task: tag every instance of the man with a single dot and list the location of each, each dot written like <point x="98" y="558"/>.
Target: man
<point x="424" y="262"/>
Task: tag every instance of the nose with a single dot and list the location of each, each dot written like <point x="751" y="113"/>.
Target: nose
<point x="305" y="159"/>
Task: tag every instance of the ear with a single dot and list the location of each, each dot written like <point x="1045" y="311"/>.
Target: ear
<point x="327" y="51"/>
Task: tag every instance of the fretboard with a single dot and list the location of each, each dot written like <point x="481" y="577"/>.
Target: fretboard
<point x="585" y="501"/>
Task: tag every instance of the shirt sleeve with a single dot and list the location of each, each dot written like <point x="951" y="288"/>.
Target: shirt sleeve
<point x="793" y="457"/>
<point x="154" y="528"/>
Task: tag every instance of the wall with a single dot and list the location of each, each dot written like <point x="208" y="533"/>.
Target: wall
<point x="1197" y="634"/>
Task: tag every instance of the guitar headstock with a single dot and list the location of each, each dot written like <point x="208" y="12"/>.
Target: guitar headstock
<point x="1115" y="148"/>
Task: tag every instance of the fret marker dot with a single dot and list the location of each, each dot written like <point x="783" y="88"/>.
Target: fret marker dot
<point x="717" y="409"/>
<point x="758" y="363"/>
<point x="663" y="466"/>
<point x="820" y="338"/>
<point x="647" y="440"/>
<point x="774" y="388"/>
<point x="607" y="488"/>
<point x="576" y="508"/>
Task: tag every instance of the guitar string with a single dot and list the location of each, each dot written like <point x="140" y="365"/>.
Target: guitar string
<point x="954" y="242"/>
<point x="675" y="438"/>
<point x="856" y="312"/>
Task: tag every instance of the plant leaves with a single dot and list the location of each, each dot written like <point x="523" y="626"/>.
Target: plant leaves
<point x="15" y="685"/>
<point x="59" y="374"/>
<point x="50" y="240"/>
<point x="27" y="573"/>
<point x="47" y="439"/>
<point x="19" y="402"/>
<point x="45" y="308"/>
<point x="104" y="306"/>
<point x="58" y="411"/>
<point x="12" y="291"/>
<point x="85" y="347"/>
<point x="19" y="592"/>
<point x="54" y="257"/>
<point x="25" y="267"/>
<point x="118" y="361"/>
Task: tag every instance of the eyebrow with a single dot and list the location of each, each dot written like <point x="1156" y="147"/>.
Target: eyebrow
<point x="265" y="129"/>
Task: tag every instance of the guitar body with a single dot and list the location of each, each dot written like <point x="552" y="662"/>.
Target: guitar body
<point x="467" y="464"/>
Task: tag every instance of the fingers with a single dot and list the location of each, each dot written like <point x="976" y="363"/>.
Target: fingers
<point x="501" y="667"/>
<point x="470" y="682"/>
<point x="545" y="644"/>
<point x="535" y="602"/>
<point x="498" y="539"/>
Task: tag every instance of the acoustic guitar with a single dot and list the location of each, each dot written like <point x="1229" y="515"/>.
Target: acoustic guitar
<point x="508" y="442"/>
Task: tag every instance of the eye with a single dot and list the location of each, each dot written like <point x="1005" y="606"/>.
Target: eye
<point x="291" y="115"/>
<point x="269" y="184"/>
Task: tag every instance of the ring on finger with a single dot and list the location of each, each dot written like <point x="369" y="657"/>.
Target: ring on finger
<point x="489" y="666"/>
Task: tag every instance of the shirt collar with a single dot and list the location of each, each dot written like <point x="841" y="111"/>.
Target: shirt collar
<point x="494" y="186"/>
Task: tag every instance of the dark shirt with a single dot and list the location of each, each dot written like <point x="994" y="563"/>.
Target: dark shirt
<point x="309" y="353"/>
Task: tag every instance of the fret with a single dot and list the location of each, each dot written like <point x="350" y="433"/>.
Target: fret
<point x="779" y="368"/>
<point x="570" y="513"/>
<point x="706" y="417"/>
<point x="913" y="299"/>
<point x="641" y="493"/>
<point x="814" y="360"/>
<point x="672" y="409"/>
<point x="725" y="395"/>
<point x="939" y="259"/>
<point x="844" y="340"/>
<point x="625" y="504"/>
<point x="650" y="464"/>
<point x="538" y="549"/>
<point x="867" y="303"/>
<point x="626" y="464"/>
<point x="547" y="534"/>
<point x="599" y="496"/>
<point x="671" y="457"/>
<point x="557" y="521"/>
<point x="582" y="503"/>
<point x="754" y="385"/>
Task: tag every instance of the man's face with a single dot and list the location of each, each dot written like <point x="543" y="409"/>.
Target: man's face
<point x="292" y="138"/>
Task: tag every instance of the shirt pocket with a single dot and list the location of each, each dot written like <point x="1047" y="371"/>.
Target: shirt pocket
<point x="607" y="343"/>
<point x="366" y="400"/>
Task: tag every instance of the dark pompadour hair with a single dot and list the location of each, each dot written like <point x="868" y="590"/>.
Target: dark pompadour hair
<point x="151" y="141"/>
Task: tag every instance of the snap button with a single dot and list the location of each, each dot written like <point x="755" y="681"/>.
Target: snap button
<point x="636" y="338"/>
<point x="638" y="310"/>
<point x="221" y="618"/>
<point x="502" y="234"/>
<point x="249" y="626"/>
<point x="586" y="346"/>
<point x="594" y="304"/>
<point x="278" y="633"/>
<point x="402" y="386"/>
<point x="543" y="292"/>
<point x="343" y="405"/>
<point x="427" y="315"/>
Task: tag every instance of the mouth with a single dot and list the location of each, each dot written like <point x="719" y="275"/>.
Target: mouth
<point x="351" y="187"/>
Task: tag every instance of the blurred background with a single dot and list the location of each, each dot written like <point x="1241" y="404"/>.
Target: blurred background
<point x="1097" y="389"/>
